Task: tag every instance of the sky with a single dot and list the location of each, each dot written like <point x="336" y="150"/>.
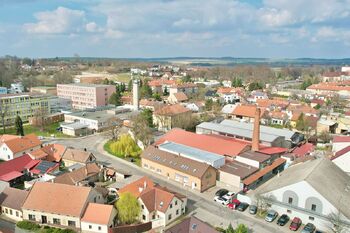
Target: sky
<point x="172" y="28"/>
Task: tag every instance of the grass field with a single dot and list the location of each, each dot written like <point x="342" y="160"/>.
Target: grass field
<point x="122" y="77"/>
<point x="47" y="132"/>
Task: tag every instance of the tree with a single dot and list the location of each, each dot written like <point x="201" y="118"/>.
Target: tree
<point x="62" y="77"/>
<point x="241" y="228"/>
<point x="19" y="126"/>
<point x="338" y="226"/>
<point x="324" y="136"/>
<point x="230" y="229"/>
<point x="39" y="118"/>
<point x="115" y="99"/>
<point x="128" y="208"/>
<point x="125" y="146"/>
<point x="141" y="127"/>
<point x="157" y="97"/>
<point x="255" y="86"/>
<point x="237" y="82"/>
<point x="146" y="91"/>
<point x="147" y="114"/>
<point x="185" y="122"/>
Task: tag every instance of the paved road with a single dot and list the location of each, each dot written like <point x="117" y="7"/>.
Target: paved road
<point x="200" y="204"/>
<point x="7" y="226"/>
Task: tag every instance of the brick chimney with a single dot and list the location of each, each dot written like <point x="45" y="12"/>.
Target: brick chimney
<point x="256" y="131"/>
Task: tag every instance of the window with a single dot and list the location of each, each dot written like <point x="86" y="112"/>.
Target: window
<point x="95" y="199"/>
<point x="142" y="206"/>
<point x="290" y="200"/>
<point x="10" y="211"/>
<point x="90" y="226"/>
<point x="145" y="165"/>
<point x="71" y="223"/>
<point x="175" y="202"/>
<point x="99" y="228"/>
<point x="311" y="218"/>
<point x="177" y="212"/>
<point x="171" y="206"/>
<point x="17" y="214"/>
<point x="56" y="221"/>
<point x="169" y="216"/>
<point x="31" y="217"/>
<point x="153" y="216"/>
<point x="7" y="211"/>
<point x="143" y="217"/>
<point x="313" y="207"/>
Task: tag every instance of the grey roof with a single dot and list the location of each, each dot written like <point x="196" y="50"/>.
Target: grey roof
<point x="190" y="152"/>
<point x="239" y="169"/>
<point x="323" y="175"/>
<point x="256" y="156"/>
<point x="13" y="198"/>
<point x="229" y="129"/>
<point x="94" y="115"/>
<point x="191" y="225"/>
<point x="74" y="125"/>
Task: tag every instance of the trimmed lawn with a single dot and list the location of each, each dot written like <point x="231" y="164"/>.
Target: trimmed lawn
<point x="47" y="132"/>
<point x="107" y="148"/>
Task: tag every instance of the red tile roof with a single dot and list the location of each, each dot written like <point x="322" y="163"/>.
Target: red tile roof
<point x="138" y="187"/>
<point x="18" y="164"/>
<point x="98" y="213"/>
<point x="272" y="150"/>
<point x="204" y="142"/>
<point x="23" y="143"/>
<point x="337" y="139"/>
<point x="171" y="110"/>
<point x="246" y="110"/>
<point x="304" y="150"/>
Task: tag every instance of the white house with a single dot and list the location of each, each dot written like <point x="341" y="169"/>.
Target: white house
<point x="11" y="201"/>
<point x="98" y="218"/>
<point x="341" y="152"/>
<point x="316" y="191"/>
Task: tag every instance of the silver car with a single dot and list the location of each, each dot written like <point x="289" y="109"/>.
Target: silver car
<point x="271" y="215"/>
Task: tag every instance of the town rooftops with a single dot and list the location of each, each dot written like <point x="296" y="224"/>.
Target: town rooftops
<point x="184" y="85"/>
<point x="246" y="110"/>
<point x="340" y="139"/>
<point x="191" y="225"/>
<point x="322" y="175"/>
<point x="171" y="110"/>
<point x="103" y="115"/>
<point x="138" y="187"/>
<point x="179" y="163"/>
<point x="239" y="169"/>
<point x="77" y="155"/>
<point x="13" y="198"/>
<point x="11" y="169"/>
<point x="341" y="152"/>
<point x="78" y="175"/>
<point x="57" y="198"/>
<point x="304" y="150"/>
<point x="191" y="153"/>
<point x="50" y="152"/>
<point x="23" y="143"/>
<point x="254" y="155"/>
<point x="98" y="213"/>
<point x="180" y="96"/>
<point x="204" y="142"/>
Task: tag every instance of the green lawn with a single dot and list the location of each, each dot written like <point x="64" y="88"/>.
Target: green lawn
<point x="47" y="132"/>
<point x="122" y="77"/>
<point x="107" y="148"/>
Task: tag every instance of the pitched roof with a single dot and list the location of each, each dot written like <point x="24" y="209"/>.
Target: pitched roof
<point x="72" y="178"/>
<point x="54" y="152"/>
<point x="239" y="169"/>
<point x="98" y="213"/>
<point x="180" y="96"/>
<point x="184" y="85"/>
<point x="57" y="198"/>
<point x="191" y="225"/>
<point x="138" y="187"/>
<point x="6" y="137"/>
<point x="338" y="139"/>
<point x="13" y="198"/>
<point x="44" y="167"/>
<point x="23" y="143"/>
<point x="323" y="175"/>
<point x="18" y="165"/>
<point x="194" y="168"/>
<point x="304" y="149"/>
<point x="341" y="152"/>
<point x="76" y="155"/>
<point x="204" y="142"/>
<point x="246" y="110"/>
<point x="172" y="110"/>
<point x="256" y="156"/>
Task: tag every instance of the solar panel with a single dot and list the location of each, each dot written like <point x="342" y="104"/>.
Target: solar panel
<point x="43" y="166"/>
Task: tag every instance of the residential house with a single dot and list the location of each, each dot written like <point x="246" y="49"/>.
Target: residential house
<point x="151" y="104"/>
<point x="277" y="118"/>
<point x="11" y="201"/>
<point x="341" y="152"/>
<point x="98" y="218"/>
<point x="169" y="116"/>
<point x="49" y="152"/>
<point x="187" y="88"/>
<point x="191" y="225"/>
<point x="303" y="150"/>
<point x="257" y="95"/>
<point x="161" y="85"/>
<point x="72" y="156"/>
<point x="91" y="172"/>
<point x="158" y="205"/>
<point x="245" y="113"/>
<point x="313" y="191"/>
<point x="200" y="176"/>
<point x="330" y="88"/>
<point x="175" y="98"/>
<point x="230" y="94"/>
<point x="15" y="147"/>
<point x="58" y="204"/>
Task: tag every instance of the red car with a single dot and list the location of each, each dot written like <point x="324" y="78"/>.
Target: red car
<point x="233" y="204"/>
<point x="296" y="223"/>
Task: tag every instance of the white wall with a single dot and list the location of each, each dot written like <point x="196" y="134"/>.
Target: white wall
<point x="250" y="162"/>
<point x="13" y="214"/>
<point x="339" y="146"/>
<point x="5" y="153"/>
<point x="343" y="162"/>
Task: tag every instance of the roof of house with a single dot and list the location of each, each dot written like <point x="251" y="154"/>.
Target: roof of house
<point x="6" y="137"/>
<point x="98" y="213"/>
<point x="239" y="169"/>
<point x="321" y="174"/>
<point x="138" y="187"/>
<point x="179" y="163"/>
<point x="254" y="155"/>
<point x="304" y="149"/>
<point x="23" y="143"/>
<point x="76" y="155"/>
<point x="278" y="115"/>
<point x="160" y="82"/>
<point x="251" y="179"/>
<point x="246" y="110"/>
<point x="184" y="85"/>
<point x="17" y="165"/>
<point x="54" y="152"/>
<point x="13" y="198"/>
<point x="266" y="103"/>
<point x="172" y="110"/>
<point x="44" y="167"/>
<point x="204" y="142"/>
<point x="191" y="225"/>
<point x="338" y="139"/>
<point x="151" y="103"/>
<point x="78" y="175"/>
<point x="180" y="96"/>
<point x="341" y="152"/>
<point x="57" y="198"/>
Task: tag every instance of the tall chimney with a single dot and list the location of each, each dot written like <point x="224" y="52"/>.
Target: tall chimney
<point x="136" y="98"/>
<point x="256" y="131"/>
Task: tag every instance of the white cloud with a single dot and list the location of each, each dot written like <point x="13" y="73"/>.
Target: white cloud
<point x="62" y="20"/>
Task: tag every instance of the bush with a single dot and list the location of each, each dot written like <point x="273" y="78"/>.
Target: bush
<point x="26" y="225"/>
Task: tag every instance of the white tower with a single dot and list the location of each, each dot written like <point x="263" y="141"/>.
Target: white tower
<point x="135" y="93"/>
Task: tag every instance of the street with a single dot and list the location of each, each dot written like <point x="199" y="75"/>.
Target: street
<point x="200" y="204"/>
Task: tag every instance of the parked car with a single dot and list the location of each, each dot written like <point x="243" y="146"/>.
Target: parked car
<point x="221" y="200"/>
<point x="221" y="192"/>
<point x="229" y="195"/>
<point x="243" y="206"/>
<point x="253" y="209"/>
<point x="283" y="220"/>
<point x="309" y="228"/>
<point x="296" y="223"/>
<point x="233" y="204"/>
<point x="271" y="216"/>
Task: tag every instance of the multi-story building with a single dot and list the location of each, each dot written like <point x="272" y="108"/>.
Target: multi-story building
<point x="44" y="90"/>
<point x="85" y="96"/>
<point x="24" y="105"/>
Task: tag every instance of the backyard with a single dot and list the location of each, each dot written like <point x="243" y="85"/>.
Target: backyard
<point x="47" y="132"/>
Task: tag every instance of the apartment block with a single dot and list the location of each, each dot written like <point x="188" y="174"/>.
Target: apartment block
<point x="85" y="96"/>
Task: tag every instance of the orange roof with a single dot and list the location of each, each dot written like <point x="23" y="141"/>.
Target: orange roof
<point x="251" y="179"/>
<point x="265" y="103"/>
<point x="278" y="115"/>
<point x="161" y="82"/>
<point x="246" y="110"/>
<point x="54" y="152"/>
<point x="228" y="90"/>
<point x="6" y="137"/>
<point x="98" y="213"/>
<point x="56" y="198"/>
<point x="138" y="187"/>
<point x="171" y="110"/>
<point x="180" y="96"/>
<point x="205" y="142"/>
<point x="184" y="85"/>
<point x="23" y="143"/>
<point x="329" y="87"/>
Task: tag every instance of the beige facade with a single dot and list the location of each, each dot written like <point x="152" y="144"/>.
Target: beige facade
<point x="201" y="184"/>
<point x="13" y="214"/>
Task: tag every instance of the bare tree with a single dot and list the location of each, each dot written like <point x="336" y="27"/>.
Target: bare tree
<point x="114" y="125"/>
<point x="141" y="130"/>
<point x="338" y="225"/>
<point x="39" y="118"/>
<point x="3" y="113"/>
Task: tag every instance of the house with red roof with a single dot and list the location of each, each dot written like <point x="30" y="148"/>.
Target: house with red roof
<point x="98" y="218"/>
<point x="303" y="150"/>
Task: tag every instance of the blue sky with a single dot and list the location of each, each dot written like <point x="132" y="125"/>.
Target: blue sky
<point x="169" y="28"/>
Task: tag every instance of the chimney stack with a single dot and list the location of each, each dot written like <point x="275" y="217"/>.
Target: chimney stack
<point x="256" y="131"/>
